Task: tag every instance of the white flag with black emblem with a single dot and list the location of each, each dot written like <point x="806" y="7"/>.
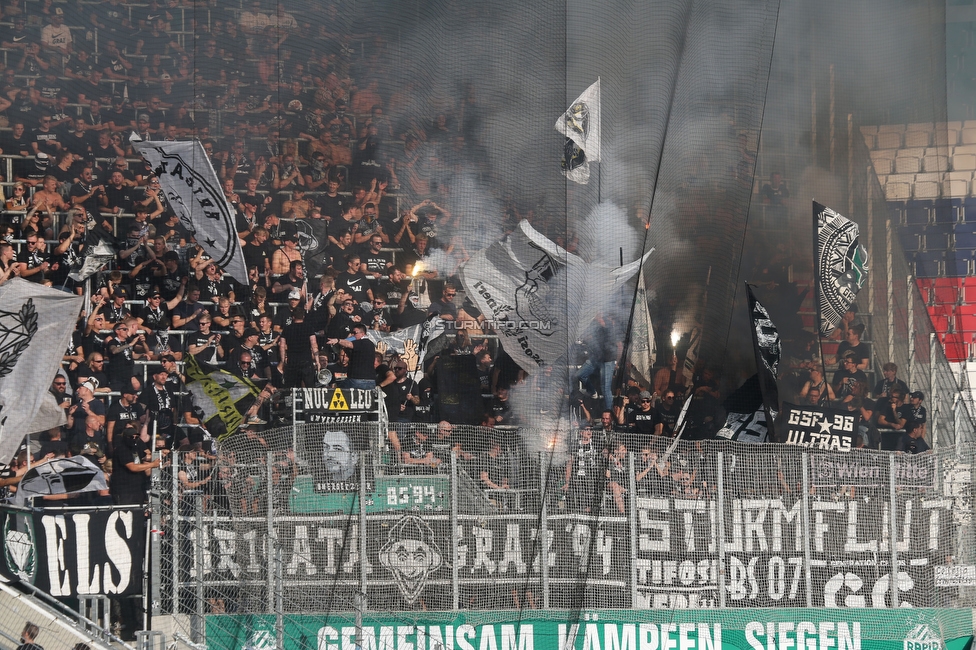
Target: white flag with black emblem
<point x="537" y="295"/>
<point x="35" y="327"/>
<point x="841" y="265"/>
<point x="581" y="126"/>
<point x="193" y="191"/>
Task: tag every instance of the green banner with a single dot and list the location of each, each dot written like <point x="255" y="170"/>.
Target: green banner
<point x="385" y="494"/>
<point x="752" y="629"/>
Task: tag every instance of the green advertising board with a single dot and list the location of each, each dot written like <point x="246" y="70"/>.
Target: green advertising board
<point x="418" y="493"/>
<point x="746" y="629"/>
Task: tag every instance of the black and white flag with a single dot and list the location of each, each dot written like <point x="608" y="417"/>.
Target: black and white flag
<point x="35" y="327"/>
<point x="841" y="265"/>
<point x="97" y="252"/>
<point x="581" y="126"/>
<point x="537" y="295"/>
<point x="193" y="191"/>
<point x="746" y="416"/>
<point x="768" y="350"/>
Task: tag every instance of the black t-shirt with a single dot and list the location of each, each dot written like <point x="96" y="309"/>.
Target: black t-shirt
<point x="119" y="412"/>
<point x="911" y="445"/>
<point x="643" y="422"/>
<point x="356" y="284"/>
<point x="209" y="353"/>
<point x="361" y="360"/>
<point x="128" y="487"/>
<point x="333" y="206"/>
<point x="298" y="339"/>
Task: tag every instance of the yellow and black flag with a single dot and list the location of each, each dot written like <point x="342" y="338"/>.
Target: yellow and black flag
<point x="223" y="397"/>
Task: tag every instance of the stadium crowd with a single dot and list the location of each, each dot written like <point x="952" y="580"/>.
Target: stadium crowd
<point x="341" y="185"/>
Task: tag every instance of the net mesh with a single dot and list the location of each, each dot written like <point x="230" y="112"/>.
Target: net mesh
<point x="468" y="520"/>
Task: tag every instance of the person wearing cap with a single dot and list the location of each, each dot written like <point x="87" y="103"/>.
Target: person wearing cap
<point x="131" y="461"/>
<point x="18" y="36"/>
<point x="644" y="422"/>
<point x="160" y="404"/>
<point x="117" y="311"/>
<point x="917" y="411"/>
<point x="257" y="360"/>
<point x="284" y="316"/>
<point x="124" y="411"/>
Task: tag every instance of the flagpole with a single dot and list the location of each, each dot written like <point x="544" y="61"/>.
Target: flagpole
<point x="618" y="379"/>
<point x="816" y="305"/>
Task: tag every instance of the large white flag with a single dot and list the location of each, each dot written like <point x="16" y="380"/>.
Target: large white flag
<point x="193" y="191"/>
<point x="581" y="126"/>
<point x="35" y="328"/>
<point x="643" y="348"/>
<point x="538" y="296"/>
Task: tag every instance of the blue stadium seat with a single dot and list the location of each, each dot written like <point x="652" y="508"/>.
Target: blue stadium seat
<point x="947" y="210"/>
<point x="896" y="211"/>
<point x="918" y="213"/>
<point x="937" y="237"/>
<point x="969" y="209"/>
<point x="909" y="237"/>
<point x="928" y="263"/>
<point x="958" y="263"/>
<point x="965" y="235"/>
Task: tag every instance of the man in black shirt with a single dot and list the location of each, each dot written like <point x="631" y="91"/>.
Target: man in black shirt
<point x="362" y="354"/>
<point x="667" y="412"/>
<point x="123" y="412"/>
<point x="644" y="421"/>
<point x="130" y="462"/>
<point x="299" y="351"/>
<point x="912" y="441"/>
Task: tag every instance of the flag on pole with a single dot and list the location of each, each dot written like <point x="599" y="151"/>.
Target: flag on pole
<point x="841" y="266"/>
<point x="643" y="347"/>
<point x="745" y="419"/>
<point x="522" y="284"/>
<point x="223" y="397"/>
<point x="35" y="328"/>
<point x="98" y="251"/>
<point x="193" y="191"/>
<point x="768" y="349"/>
<point x="412" y="344"/>
<point x="581" y="126"/>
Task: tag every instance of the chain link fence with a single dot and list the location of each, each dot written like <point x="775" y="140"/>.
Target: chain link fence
<point x="360" y="521"/>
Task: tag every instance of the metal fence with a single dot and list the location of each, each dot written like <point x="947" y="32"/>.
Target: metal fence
<point x="332" y="530"/>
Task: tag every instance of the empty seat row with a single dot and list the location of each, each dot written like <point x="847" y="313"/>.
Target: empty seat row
<point x="902" y="187"/>
<point x="934" y="263"/>
<point x="897" y="136"/>
<point x="923" y="212"/>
